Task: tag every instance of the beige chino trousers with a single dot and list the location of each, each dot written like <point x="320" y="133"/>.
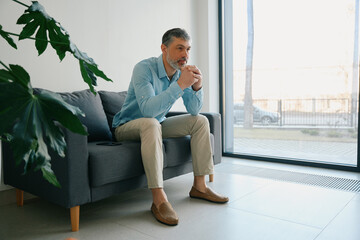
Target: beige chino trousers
<point x="150" y="132"/>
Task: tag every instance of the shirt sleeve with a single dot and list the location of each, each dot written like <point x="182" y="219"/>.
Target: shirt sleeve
<point x="152" y="105"/>
<point x="193" y="100"/>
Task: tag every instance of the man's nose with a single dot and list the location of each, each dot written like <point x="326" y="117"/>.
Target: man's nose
<point x="186" y="54"/>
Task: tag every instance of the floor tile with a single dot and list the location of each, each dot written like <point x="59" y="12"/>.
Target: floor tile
<point x="357" y="197"/>
<point x="34" y="220"/>
<point x="232" y="185"/>
<point x="226" y="223"/>
<point x="345" y="225"/>
<point x="39" y="219"/>
<point x="235" y="224"/>
<point x="308" y="205"/>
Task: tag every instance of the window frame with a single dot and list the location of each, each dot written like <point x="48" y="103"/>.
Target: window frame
<point x="224" y="108"/>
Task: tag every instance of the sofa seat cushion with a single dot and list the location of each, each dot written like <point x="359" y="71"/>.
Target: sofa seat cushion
<point x="177" y="150"/>
<point x="112" y="163"/>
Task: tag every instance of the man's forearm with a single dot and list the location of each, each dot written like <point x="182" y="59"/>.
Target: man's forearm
<point x="152" y="106"/>
<point x="193" y="100"/>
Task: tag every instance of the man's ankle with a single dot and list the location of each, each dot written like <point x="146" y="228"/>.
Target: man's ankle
<point x="159" y="196"/>
<point x="199" y="183"/>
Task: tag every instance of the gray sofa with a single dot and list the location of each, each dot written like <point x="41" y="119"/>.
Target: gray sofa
<point x="96" y="167"/>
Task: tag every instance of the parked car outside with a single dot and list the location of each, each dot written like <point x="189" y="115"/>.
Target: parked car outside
<point x="259" y="114"/>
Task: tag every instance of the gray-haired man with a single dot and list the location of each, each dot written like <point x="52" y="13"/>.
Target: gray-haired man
<point x="155" y="85"/>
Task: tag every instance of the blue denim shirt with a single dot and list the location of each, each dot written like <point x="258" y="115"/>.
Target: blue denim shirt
<point x="151" y="93"/>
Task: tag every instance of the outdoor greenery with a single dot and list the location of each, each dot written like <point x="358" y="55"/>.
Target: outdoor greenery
<point x="312" y="132"/>
<point x="28" y="120"/>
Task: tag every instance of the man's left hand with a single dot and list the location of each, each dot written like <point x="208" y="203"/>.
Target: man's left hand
<point x="197" y="74"/>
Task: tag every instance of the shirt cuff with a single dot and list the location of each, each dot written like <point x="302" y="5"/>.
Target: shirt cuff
<point x="176" y="90"/>
<point x="198" y="93"/>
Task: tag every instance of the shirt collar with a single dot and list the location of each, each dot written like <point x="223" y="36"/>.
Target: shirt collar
<point x="162" y="72"/>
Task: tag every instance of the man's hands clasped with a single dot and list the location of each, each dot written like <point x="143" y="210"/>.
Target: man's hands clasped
<point x="190" y="76"/>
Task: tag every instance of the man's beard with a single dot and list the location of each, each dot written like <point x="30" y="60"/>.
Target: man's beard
<point x="174" y="63"/>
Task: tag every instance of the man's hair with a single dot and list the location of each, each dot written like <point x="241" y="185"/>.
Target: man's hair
<point x="175" y="32"/>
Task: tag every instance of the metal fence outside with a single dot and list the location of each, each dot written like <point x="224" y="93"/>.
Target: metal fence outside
<point x="312" y="112"/>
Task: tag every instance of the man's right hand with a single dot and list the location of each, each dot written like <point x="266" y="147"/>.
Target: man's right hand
<point x="187" y="77"/>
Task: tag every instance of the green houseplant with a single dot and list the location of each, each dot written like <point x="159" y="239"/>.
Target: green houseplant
<point x="27" y="120"/>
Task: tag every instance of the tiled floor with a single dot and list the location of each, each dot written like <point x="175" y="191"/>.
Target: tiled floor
<point x="259" y="208"/>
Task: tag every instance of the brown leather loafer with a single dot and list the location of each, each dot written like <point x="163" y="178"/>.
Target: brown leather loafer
<point x="208" y="195"/>
<point x="165" y="214"/>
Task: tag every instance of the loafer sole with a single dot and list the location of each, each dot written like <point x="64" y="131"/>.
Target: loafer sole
<point x="208" y="195"/>
<point x="203" y="198"/>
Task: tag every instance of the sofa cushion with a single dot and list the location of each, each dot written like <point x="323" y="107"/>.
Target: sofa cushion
<point x="112" y="103"/>
<point x="111" y="162"/>
<point x="95" y="119"/>
<point x="114" y="162"/>
<point x="177" y="150"/>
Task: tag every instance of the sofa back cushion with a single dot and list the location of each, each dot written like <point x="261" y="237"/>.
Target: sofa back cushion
<point x="95" y="118"/>
<point x="112" y="103"/>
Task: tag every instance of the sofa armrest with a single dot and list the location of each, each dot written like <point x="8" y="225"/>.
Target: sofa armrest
<point x="71" y="172"/>
<point x="215" y="129"/>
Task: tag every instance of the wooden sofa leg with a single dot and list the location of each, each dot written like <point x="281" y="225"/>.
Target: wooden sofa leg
<point x="211" y="177"/>
<point x="75" y="216"/>
<point x="19" y="197"/>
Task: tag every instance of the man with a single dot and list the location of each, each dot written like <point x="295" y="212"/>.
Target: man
<point x="155" y="85"/>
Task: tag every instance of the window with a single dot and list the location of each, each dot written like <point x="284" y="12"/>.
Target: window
<point x="290" y="79"/>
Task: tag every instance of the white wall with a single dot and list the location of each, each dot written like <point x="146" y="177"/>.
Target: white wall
<point x="116" y="34"/>
<point x="207" y="36"/>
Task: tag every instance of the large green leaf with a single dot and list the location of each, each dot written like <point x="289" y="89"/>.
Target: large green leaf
<point x="55" y="107"/>
<point x="20" y="75"/>
<point x="5" y="76"/>
<point x="13" y="100"/>
<point x="17" y="74"/>
<point x="87" y="76"/>
<point x="28" y="121"/>
<point x="88" y="68"/>
<point x="35" y="19"/>
<point x="49" y="175"/>
<point x="47" y="29"/>
<point x="7" y="37"/>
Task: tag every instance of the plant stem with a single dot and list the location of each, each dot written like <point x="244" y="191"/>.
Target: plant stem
<point x="14" y="34"/>
<point x="4" y="65"/>
<point x="21" y="3"/>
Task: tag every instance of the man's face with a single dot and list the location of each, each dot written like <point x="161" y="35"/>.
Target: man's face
<point x="177" y="53"/>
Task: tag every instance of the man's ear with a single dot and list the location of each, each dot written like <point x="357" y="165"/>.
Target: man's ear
<point x="163" y="48"/>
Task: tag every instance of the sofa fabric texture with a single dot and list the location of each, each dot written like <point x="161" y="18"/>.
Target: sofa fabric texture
<point x="112" y="102"/>
<point x="95" y="119"/>
<point x="95" y="166"/>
